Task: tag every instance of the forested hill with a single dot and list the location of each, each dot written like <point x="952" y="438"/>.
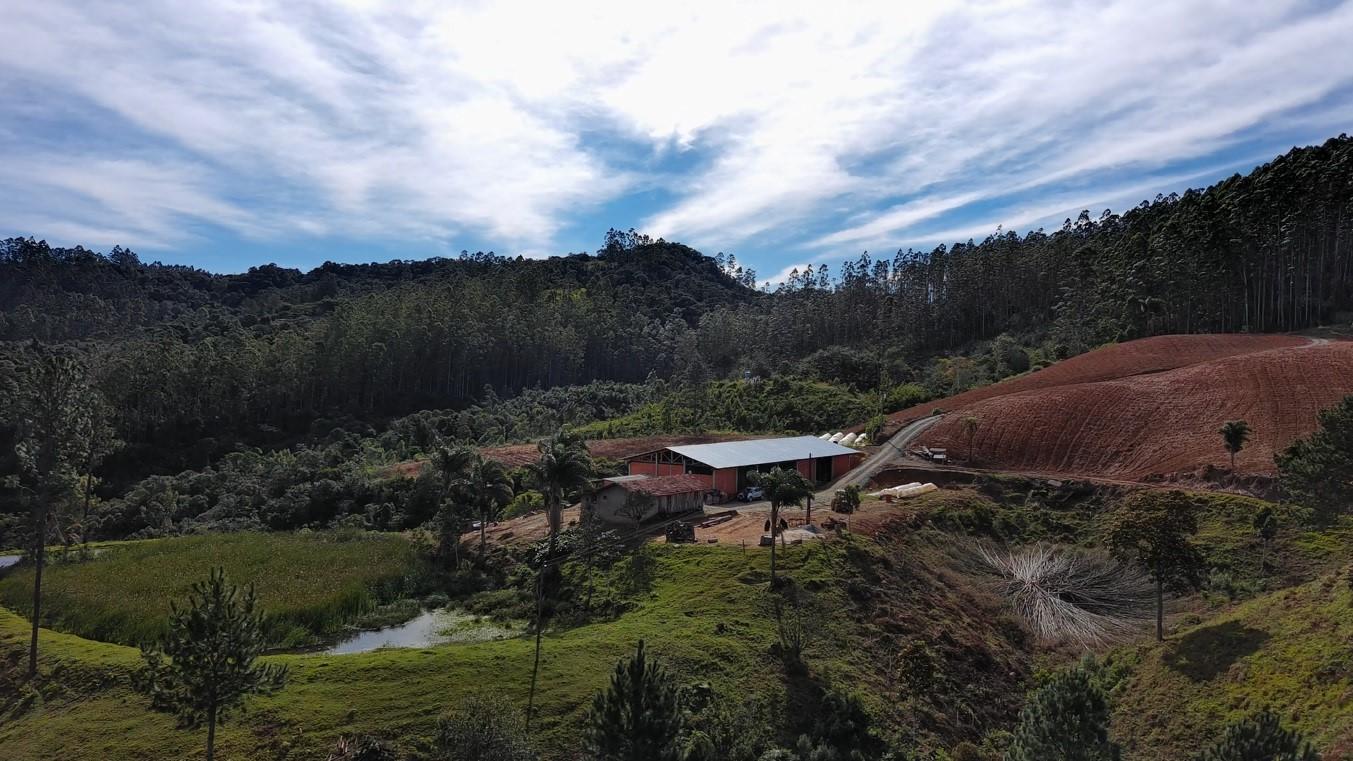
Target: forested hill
<point x="198" y="363"/>
<point x="55" y="294"/>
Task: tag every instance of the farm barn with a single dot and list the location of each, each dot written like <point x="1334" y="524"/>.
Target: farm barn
<point x="671" y="495"/>
<point x="726" y="465"/>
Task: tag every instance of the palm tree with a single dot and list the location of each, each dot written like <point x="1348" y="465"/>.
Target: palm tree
<point x="1234" y="434"/>
<point x="564" y="469"/>
<point x="452" y="464"/>
<point x="782" y="487"/>
<point x="487" y="487"/>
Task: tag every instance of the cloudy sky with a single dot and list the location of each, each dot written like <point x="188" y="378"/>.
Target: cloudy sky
<point x="227" y="134"/>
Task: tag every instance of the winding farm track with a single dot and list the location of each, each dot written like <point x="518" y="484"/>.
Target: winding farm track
<point x="891" y="451"/>
<point x="1152" y="407"/>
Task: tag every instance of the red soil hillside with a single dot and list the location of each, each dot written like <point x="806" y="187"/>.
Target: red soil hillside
<point x="1148" y="355"/>
<point x="1150" y="420"/>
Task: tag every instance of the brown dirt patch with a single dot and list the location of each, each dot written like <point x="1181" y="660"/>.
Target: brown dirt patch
<point x="1148" y="355"/>
<point x="1154" y="421"/>
<point x="749" y="526"/>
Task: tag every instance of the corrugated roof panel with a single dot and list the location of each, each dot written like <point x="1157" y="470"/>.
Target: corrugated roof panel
<point x="735" y="454"/>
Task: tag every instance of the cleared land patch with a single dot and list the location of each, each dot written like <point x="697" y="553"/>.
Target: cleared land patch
<point x="1150" y="421"/>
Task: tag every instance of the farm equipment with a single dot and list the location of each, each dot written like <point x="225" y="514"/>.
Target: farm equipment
<point x="681" y="533"/>
<point x="935" y="454"/>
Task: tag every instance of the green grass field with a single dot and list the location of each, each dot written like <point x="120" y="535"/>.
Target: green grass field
<point x="309" y="584"/>
<point x="706" y="614"/>
<point x="1288" y="650"/>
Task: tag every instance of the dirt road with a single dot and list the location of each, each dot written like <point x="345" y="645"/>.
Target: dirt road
<point x="891" y="451"/>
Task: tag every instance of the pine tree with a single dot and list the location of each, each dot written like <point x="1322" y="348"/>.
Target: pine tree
<point x="57" y="416"/>
<point x="1065" y="720"/>
<point x="212" y="645"/>
<point x="1260" y="738"/>
<point x="1317" y="471"/>
<point x="636" y="718"/>
<point x="1153" y="528"/>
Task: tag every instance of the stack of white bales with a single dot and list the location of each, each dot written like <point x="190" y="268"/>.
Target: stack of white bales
<point x="913" y="489"/>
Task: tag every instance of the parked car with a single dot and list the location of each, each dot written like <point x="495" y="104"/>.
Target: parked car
<point x="752" y="494"/>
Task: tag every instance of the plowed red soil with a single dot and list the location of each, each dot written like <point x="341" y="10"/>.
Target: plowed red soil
<point x="1149" y="355"/>
<point x="1151" y="408"/>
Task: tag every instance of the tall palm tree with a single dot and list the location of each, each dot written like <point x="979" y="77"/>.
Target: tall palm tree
<point x="564" y="469"/>
<point x="486" y="486"/>
<point x="782" y="487"/>
<point x="452" y="464"/>
<point x="1234" y="435"/>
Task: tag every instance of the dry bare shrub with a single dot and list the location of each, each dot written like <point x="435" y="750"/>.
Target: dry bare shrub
<point x="1066" y="593"/>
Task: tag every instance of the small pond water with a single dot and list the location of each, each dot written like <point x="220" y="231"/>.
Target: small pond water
<point x="8" y="560"/>
<point x="431" y="627"/>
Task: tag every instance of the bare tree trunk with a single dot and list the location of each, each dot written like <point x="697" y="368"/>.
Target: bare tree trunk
<point x="1160" y="609"/>
<point x="89" y="488"/>
<point x="39" y="558"/>
<point x="540" y="629"/>
<point x="211" y="733"/>
<point x="483" y="536"/>
<point x="774" y="526"/>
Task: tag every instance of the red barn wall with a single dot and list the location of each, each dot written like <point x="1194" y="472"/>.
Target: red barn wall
<point x="726" y="480"/>
<point x="655" y="468"/>
<point x="842" y="463"/>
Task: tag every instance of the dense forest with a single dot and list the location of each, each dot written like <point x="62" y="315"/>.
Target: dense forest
<point x="193" y="366"/>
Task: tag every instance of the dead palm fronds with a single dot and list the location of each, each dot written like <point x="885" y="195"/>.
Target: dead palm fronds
<point x="1065" y="593"/>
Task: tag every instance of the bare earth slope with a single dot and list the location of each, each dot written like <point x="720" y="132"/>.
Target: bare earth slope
<point x="1152" y="407"/>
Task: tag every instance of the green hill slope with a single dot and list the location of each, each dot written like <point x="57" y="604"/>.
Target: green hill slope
<point x="707" y="613"/>
<point x="1291" y="650"/>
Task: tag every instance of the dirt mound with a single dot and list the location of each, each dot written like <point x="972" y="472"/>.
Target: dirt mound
<point x="1149" y="355"/>
<point x="1154" y="421"/>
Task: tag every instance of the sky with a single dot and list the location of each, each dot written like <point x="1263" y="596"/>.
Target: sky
<point x="230" y="134"/>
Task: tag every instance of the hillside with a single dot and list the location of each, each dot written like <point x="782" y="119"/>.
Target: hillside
<point x="705" y="611"/>
<point x="1287" y="650"/>
<point x="1150" y="408"/>
<point x="193" y="366"/>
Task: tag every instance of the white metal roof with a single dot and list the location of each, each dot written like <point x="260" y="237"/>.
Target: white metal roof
<point x="735" y="454"/>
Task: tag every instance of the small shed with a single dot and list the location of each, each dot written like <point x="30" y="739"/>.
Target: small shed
<point x="623" y="499"/>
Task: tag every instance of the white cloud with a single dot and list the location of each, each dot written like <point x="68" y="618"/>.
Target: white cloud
<point x="820" y="126"/>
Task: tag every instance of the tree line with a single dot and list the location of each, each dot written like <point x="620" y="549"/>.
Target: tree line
<point x="192" y="359"/>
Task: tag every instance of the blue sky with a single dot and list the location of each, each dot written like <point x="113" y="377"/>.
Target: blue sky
<point x="229" y="134"/>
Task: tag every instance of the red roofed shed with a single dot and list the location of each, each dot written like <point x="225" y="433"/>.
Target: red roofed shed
<point x="618" y="499"/>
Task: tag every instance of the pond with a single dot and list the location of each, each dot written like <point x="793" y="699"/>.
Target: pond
<point x="431" y="627"/>
<point x="8" y="560"/>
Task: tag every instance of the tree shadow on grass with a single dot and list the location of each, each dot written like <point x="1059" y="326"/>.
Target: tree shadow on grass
<point x="1203" y="654"/>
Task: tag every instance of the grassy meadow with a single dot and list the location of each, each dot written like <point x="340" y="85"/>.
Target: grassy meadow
<point x="706" y="613"/>
<point x="309" y="584"/>
<point x="1288" y="650"/>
